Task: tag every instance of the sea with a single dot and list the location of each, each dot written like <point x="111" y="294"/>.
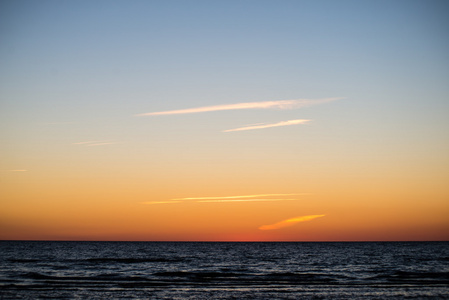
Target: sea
<point x="224" y="270"/>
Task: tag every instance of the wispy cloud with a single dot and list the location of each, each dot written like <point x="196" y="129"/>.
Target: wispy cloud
<point x="235" y="197"/>
<point x="289" y="222"/>
<point x="95" y="143"/>
<point x="262" y="126"/>
<point x="161" y="202"/>
<point x="280" y="104"/>
<point x="85" y="143"/>
<point x="244" y="200"/>
<point x="102" y="144"/>
<point x="230" y="199"/>
<point x="58" y="123"/>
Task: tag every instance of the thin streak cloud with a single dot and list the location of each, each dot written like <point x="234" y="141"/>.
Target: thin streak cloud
<point x="236" y="197"/>
<point x="289" y="222"/>
<point x="85" y="143"/>
<point x="95" y="143"/>
<point x="280" y="104"/>
<point x="231" y="199"/>
<point x="283" y="123"/>
<point x="101" y="144"/>
<point x="58" y="123"/>
<point x="161" y="202"/>
<point x="244" y="200"/>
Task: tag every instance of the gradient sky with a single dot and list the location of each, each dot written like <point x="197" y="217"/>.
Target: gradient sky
<point x="224" y="120"/>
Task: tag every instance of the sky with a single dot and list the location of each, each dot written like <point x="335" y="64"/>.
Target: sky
<point x="224" y="120"/>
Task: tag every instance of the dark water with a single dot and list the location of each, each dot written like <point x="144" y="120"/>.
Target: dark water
<point x="165" y="270"/>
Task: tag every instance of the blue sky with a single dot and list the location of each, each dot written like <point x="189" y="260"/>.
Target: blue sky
<point x="203" y="52"/>
<point x="69" y="61"/>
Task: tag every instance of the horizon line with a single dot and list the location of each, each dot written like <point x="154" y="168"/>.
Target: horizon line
<point x="229" y="241"/>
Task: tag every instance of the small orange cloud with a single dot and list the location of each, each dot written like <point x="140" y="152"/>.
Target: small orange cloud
<point x="289" y="222"/>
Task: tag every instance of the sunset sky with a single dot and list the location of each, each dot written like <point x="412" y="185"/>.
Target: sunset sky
<point x="224" y="120"/>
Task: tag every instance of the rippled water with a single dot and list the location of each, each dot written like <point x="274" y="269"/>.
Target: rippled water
<point x="190" y="270"/>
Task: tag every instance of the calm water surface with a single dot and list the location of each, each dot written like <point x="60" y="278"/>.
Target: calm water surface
<point x="191" y="270"/>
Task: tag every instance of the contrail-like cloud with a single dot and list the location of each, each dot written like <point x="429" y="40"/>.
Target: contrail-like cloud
<point x="289" y="222"/>
<point x="95" y="143"/>
<point x="57" y="123"/>
<point x="262" y="126"/>
<point x="231" y="199"/>
<point x="237" y="197"/>
<point x="280" y="104"/>
<point x="161" y="202"/>
<point x="244" y="200"/>
<point x="85" y="143"/>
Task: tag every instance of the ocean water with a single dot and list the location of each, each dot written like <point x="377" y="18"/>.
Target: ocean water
<point x="197" y="270"/>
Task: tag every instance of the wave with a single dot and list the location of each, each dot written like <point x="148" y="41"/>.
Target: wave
<point x="106" y="277"/>
<point x="134" y="260"/>
<point x="243" y="278"/>
<point x="250" y="278"/>
<point x="185" y="277"/>
<point x="112" y="260"/>
<point x="24" y="260"/>
<point x="406" y="277"/>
